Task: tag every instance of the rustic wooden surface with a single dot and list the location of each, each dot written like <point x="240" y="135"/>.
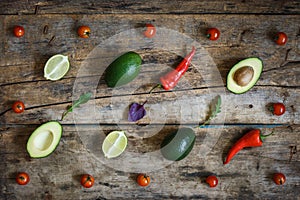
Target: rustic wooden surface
<point x="246" y="31"/>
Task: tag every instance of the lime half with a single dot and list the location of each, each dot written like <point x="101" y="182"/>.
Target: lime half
<point x="114" y="144"/>
<point x="56" y="67"/>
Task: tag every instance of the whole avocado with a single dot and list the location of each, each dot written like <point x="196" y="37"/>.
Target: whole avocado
<point x="123" y="69"/>
<point x="177" y="145"/>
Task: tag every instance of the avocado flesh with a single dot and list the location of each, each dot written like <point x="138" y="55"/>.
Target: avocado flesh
<point x="256" y="65"/>
<point x="44" y="140"/>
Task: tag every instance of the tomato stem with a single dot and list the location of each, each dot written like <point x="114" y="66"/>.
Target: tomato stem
<point x="146" y="177"/>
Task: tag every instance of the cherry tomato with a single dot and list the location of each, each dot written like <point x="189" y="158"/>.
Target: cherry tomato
<point x="281" y="38"/>
<point x="212" y="181"/>
<point x="87" y="180"/>
<point x="213" y="34"/>
<point x="19" y="31"/>
<point x="143" y="180"/>
<point x="18" y="107"/>
<point x="279" y="178"/>
<point x="22" y="178"/>
<point x="277" y="109"/>
<point x="150" y="31"/>
<point x="84" y="31"/>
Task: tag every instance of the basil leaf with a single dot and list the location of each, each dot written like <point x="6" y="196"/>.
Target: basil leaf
<point x="136" y="112"/>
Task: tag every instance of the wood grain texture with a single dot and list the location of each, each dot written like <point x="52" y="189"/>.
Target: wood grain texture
<point x="179" y="107"/>
<point x="156" y="6"/>
<point x="281" y="64"/>
<point x="248" y="35"/>
<point x="247" y="30"/>
<point x="57" y="176"/>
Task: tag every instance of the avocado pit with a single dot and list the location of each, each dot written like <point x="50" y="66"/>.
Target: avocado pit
<point x="243" y="75"/>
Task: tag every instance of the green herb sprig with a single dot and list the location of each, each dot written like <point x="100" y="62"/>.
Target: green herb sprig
<point x="215" y="109"/>
<point x="84" y="98"/>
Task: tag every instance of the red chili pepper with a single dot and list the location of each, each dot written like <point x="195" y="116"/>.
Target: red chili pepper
<point x="170" y="80"/>
<point x="251" y="139"/>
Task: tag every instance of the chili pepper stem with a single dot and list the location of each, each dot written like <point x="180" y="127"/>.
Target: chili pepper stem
<point x="262" y="137"/>
<point x="157" y="86"/>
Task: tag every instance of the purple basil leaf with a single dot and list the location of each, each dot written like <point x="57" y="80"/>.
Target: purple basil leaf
<point x="136" y="112"/>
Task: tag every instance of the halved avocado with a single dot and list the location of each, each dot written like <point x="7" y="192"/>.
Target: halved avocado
<point x="44" y="140"/>
<point x="243" y="75"/>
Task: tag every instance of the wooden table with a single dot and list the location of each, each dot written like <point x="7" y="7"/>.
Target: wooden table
<point x="246" y="31"/>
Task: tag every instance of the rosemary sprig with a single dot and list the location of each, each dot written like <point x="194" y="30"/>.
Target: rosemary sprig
<point x="214" y="111"/>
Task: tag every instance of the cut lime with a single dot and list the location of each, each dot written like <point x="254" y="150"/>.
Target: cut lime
<point x="114" y="144"/>
<point x="56" y="67"/>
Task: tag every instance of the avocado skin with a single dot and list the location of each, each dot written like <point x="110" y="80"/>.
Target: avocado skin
<point x="123" y="69"/>
<point x="177" y="145"/>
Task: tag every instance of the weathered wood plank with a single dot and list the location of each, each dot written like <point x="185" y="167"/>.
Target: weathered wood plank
<point x="57" y="176"/>
<point x="249" y="37"/>
<point x="247" y="30"/>
<point x="131" y="6"/>
<point x="179" y="107"/>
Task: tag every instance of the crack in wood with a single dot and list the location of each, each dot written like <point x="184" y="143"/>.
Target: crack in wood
<point x="293" y="151"/>
<point x="51" y="40"/>
<point x="36" y="10"/>
<point x="212" y="125"/>
<point x="45" y="30"/>
<point x="108" y="185"/>
<point x="280" y="86"/>
<point x="286" y="61"/>
<point x="3" y="112"/>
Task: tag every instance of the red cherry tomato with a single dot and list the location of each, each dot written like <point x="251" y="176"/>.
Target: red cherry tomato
<point x="18" y="107"/>
<point x="19" y="31"/>
<point x="281" y="38"/>
<point x="213" y="34"/>
<point x="279" y="178"/>
<point x="277" y="109"/>
<point x="212" y="181"/>
<point x="87" y="180"/>
<point x="143" y="180"/>
<point x="84" y="31"/>
<point x="150" y="31"/>
<point x="22" y="178"/>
